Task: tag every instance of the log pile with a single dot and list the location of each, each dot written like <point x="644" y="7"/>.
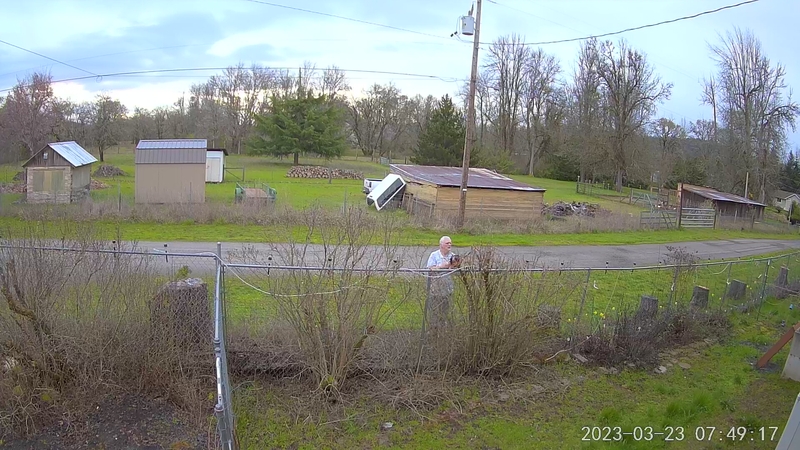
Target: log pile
<point x="106" y="170"/>
<point x="95" y="184"/>
<point x="13" y="188"/>
<point x="561" y="209"/>
<point x="322" y="172"/>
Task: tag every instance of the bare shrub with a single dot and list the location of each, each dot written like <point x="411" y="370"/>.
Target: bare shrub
<point x="335" y="310"/>
<point x="502" y="322"/>
<point x="627" y="338"/>
<point x="75" y="322"/>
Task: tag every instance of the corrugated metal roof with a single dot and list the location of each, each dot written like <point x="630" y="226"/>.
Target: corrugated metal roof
<point x="451" y="177"/>
<point x="713" y="194"/>
<point x="73" y="153"/>
<point x="170" y="156"/>
<point x="172" y="143"/>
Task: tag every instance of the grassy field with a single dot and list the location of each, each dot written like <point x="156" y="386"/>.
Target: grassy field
<point x="549" y="405"/>
<point x="212" y="222"/>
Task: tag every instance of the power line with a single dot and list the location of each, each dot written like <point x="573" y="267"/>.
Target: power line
<point x="533" y="15"/>
<point x="294" y="8"/>
<point x="663" y="22"/>
<point x="583" y="31"/>
<point x="46" y="57"/>
<point x="199" y="69"/>
<point x="211" y="43"/>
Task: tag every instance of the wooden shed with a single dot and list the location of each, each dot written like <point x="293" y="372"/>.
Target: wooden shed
<point x="435" y="191"/>
<point x="61" y="172"/>
<point x="726" y="205"/>
<point x="171" y="171"/>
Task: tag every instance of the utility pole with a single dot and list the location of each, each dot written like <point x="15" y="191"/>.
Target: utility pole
<point x="470" y="132"/>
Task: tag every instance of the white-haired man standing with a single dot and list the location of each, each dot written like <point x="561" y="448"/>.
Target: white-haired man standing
<point x="440" y="298"/>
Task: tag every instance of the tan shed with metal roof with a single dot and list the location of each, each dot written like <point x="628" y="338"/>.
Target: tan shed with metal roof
<point x="435" y="191"/>
<point x="171" y="171"/>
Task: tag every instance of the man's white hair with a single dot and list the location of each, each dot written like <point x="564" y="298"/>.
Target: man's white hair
<point x="443" y="238"/>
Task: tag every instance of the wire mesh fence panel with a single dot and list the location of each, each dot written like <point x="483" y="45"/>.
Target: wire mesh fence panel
<point x="158" y="316"/>
<point x="93" y="313"/>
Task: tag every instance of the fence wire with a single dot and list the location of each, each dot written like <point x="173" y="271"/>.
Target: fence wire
<point x="261" y="317"/>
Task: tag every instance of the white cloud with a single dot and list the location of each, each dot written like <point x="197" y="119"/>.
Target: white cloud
<point x="144" y="95"/>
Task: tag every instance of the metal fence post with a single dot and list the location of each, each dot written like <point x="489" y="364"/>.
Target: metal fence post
<point x="763" y="288"/>
<point x="224" y="407"/>
<point x="674" y="286"/>
<point x="580" y="310"/>
<point x="424" y="319"/>
<point x="727" y="286"/>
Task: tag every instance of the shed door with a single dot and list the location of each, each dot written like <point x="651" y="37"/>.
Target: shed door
<point x="213" y="169"/>
<point x="48" y="180"/>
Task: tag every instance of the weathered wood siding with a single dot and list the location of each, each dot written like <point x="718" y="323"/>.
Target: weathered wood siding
<point x="49" y="184"/>
<point x="422" y="192"/>
<point x="53" y="159"/>
<point x="490" y="203"/>
<point x="81" y="181"/>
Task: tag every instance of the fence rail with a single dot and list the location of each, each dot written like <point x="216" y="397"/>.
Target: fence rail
<point x="698" y="218"/>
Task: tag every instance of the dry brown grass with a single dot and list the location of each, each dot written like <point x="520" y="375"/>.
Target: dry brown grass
<point x="75" y="323"/>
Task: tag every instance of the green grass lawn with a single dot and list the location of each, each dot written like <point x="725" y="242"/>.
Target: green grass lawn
<point x="189" y="231"/>
<point x="549" y="406"/>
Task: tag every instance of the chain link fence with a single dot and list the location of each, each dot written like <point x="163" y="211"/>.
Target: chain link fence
<point x="167" y="314"/>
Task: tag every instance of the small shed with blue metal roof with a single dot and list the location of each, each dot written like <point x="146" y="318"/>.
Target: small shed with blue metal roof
<point x="171" y="170"/>
<point x="61" y="172"/>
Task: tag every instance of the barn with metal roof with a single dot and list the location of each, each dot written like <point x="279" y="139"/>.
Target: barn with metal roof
<point x="725" y="204"/>
<point x="58" y="173"/>
<point x="435" y="191"/>
<point x="171" y="171"/>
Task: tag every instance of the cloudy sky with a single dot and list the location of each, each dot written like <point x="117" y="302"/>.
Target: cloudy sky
<point x="101" y="37"/>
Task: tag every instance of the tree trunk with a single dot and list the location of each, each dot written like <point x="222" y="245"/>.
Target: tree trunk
<point x="296" y="158"/>
<point x="102" y="154"/>
<point x="618" y="182"/>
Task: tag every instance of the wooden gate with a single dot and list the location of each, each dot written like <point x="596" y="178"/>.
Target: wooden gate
<point x="698" y="218"/>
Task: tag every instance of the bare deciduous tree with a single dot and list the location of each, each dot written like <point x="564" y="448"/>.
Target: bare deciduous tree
<point x="506" y="67"/>
<point x="631" y="90"/>
<point x="585" y="98"/>
<point x="374" y="119"/>
<point x="757" y="110"/>
<point x="539" y="101"/>
<point x="29" y="108"/>
<point x="669" y="135"/>
<point x="106" y="125"/>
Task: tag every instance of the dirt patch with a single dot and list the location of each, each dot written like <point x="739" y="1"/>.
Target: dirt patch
<point x="118" y="421"/>
<point x="106" y="170"/>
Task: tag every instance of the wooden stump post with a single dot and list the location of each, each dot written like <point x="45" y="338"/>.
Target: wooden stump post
<point x="783" y="277"/>
<point x="699" y="297"/>
<point x="648" y="308"/>
<point x="180" y="314"/>
<point x="736" y="290"/>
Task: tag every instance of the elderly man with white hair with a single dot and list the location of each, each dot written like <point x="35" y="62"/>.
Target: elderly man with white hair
<point x="440" y="298"/>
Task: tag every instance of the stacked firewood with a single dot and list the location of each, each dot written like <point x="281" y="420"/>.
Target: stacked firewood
<point x="322" y="172"/>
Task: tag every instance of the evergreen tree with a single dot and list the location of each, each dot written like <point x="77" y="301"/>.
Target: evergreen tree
<point x="790" y="174"/>
<point x="304" y="123"/>
<point x="442" y="141"/>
